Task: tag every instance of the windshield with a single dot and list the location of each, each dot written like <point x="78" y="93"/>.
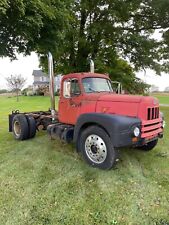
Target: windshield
<point x="95" y="84"/>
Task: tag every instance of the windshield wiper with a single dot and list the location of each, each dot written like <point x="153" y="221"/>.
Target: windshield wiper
<point x="106" y="91"/>
<point x="91" y="89"/>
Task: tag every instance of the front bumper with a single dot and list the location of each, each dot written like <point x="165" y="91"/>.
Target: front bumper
<point x="144" y="141"/>
<point x="149" y="131"/>
<point x="151" y="128"/>
<point x="127" y="140"/>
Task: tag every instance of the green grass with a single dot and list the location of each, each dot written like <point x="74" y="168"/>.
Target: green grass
<point x="46" y="182"/>
<point x="163" y="98"/>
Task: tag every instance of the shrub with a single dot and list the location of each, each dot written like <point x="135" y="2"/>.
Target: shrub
<point x="3" y="91"/>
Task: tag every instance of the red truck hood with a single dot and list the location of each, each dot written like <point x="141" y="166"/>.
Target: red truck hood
<point x="120" y="98"/>
<point x="128" y="105"/>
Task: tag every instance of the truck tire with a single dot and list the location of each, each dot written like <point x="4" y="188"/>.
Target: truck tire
<point x="149" y="146"/>
<point x="32" y="126"/>
<point x="20" y="127"/>
<point x="97" y="148"/>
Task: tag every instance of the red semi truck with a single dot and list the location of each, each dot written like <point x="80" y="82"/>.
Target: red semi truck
<point x="97" y="119"/>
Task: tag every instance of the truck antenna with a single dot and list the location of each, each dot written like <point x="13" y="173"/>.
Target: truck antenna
<point x="51" y="86"/>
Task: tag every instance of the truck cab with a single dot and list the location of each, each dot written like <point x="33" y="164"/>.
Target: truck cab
<point x="79" y="94"/>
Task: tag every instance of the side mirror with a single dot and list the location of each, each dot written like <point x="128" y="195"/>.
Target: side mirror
<point x="118" y="87"/>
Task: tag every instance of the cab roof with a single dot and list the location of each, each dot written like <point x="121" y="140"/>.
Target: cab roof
<point x="86" y="75"/>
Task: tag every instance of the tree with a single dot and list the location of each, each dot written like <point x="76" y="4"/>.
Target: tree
<point x="75" y="30"/>
<point x="27" y="26"/>
<point x="16" y="83"/>
<point x="117" y="35"/>
<point x="3" y="91"/>
<point x="116" y="29"/>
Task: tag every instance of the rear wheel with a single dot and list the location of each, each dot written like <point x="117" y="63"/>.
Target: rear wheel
<point x="20" y="127"/>
<point x="149" y="146"/>
<point x="32" y="126"/>
<point x="97" y="148"/>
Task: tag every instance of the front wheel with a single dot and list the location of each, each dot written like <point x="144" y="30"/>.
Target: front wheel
<point x="149" y="146"/>
<point x="97" y="148"/>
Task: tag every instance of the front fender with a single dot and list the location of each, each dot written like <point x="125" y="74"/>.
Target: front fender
<point x="119" y="128"/>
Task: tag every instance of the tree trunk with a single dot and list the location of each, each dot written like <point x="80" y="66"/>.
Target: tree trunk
<point x="17" y="96"/>
<point x="83" y="50"/>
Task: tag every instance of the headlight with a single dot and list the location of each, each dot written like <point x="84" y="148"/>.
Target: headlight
<point x="136" y="131"/>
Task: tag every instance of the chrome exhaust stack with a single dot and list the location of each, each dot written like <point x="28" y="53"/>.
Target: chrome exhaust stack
<point x="91" y="66"/>
<point x="51" y="86"/>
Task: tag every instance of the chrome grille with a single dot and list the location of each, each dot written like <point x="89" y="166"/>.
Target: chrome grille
<point x="152" y="113"/>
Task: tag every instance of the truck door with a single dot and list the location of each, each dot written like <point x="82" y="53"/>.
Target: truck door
<point x="70" y="101"/>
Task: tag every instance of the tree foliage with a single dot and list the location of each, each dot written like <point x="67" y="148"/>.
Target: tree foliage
<point x="113" y="33"/>
<point x="116" y="29"/>
<point x="3" y="91"/>
<point x="27" y="26"/>
<point x="122" y="72"/>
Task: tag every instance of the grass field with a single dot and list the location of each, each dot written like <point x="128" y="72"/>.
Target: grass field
<point x="46" y="182"/>
<point x="163" y="98"/>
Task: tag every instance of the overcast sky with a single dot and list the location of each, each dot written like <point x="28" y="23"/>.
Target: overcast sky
<point x="23" y="66"/>
<point x="26" y="65"/>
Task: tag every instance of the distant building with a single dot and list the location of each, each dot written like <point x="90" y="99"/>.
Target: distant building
<point x="40" y="79"/>
<point x="58" y="79"/>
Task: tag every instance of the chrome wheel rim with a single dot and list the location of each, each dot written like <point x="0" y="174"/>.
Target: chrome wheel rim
<point x="95" y="149"/>
<point x="17" y="128"/>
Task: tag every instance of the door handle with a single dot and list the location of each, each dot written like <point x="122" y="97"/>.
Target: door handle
<point x="74" y="104"/>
